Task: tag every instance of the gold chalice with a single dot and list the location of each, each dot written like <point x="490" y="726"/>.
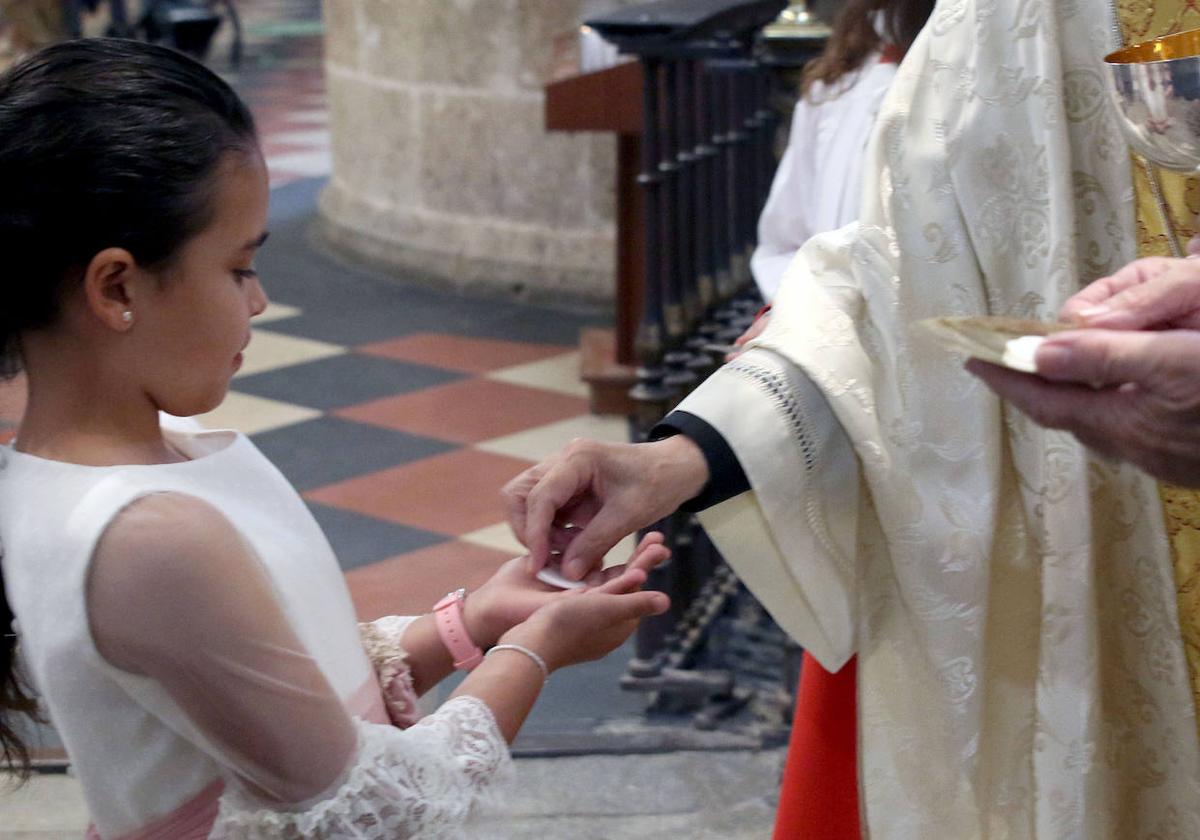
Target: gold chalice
<point x="1156" y="87"/>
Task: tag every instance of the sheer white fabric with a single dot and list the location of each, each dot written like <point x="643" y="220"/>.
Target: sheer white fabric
<point x="423" y="782"/>
<point x="52" y="517"/>
<point x="176" y="595"/>
<point x="1010" y="598"/>
<point x="818" y="184"/>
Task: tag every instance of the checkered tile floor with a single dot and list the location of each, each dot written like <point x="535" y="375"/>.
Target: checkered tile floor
<point x="293" y="121"/>
<point x="399" y="437"/>
<point x="283" y="80"/>
<point x="401" y="446"/>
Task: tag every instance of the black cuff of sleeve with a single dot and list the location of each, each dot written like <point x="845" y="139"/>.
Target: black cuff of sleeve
<point x="726" y="478"/>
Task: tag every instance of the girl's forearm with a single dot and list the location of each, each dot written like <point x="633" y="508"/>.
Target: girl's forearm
<point x="509" y="682"/>
<point x="428" y="660"/>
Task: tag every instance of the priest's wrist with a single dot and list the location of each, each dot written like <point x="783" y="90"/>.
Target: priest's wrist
<point x="681" y="466"/>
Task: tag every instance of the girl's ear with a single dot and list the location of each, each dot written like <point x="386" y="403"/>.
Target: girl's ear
<point x="109" y="283"/>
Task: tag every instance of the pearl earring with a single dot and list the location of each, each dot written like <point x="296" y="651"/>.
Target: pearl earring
<point x="127" y="316"/>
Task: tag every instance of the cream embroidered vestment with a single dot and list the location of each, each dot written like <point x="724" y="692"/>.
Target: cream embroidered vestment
<point x="1010" y="598"/>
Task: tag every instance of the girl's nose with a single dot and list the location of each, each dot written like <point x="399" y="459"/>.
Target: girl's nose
<point x="258" y="298"/>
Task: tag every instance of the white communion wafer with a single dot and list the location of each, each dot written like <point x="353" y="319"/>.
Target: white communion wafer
<point x="553" y="577"/>
<point x="1019" y="353"/>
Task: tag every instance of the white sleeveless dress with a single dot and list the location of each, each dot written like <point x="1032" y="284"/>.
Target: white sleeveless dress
<point x="147" y="771"/>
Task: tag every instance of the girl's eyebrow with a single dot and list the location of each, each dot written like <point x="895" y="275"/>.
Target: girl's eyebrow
<point x="257" y="242"/>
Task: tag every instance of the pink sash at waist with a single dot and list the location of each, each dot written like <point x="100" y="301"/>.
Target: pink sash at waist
<point x="193" y="820"/>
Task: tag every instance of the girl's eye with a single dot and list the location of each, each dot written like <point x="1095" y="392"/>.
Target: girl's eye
<point x="243" y="274"/>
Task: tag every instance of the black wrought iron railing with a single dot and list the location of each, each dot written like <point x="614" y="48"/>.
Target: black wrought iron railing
<point x="707" y="163"/>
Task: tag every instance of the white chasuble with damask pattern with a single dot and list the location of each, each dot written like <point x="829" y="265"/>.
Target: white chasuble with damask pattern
<point x="1009" y="597"/>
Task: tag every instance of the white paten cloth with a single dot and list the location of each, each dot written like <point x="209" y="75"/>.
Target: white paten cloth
<point x="1010" y="598"/>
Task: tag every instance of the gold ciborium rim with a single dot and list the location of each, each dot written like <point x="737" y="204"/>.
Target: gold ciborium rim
<point x="1181" y="45"/>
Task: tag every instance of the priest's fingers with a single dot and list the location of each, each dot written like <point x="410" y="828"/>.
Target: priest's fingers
<point x="567" y="478"/>
<point x="1051" y="404"/>
<point x="515" y="493"/>
<point x="587" y="550"/>
<point x="1169" y="299"/>
<point x="1095" y="294"/>
<point x="1151" y="419"/>
<point x="1167" y="363"/>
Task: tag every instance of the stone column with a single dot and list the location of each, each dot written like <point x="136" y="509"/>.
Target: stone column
<point x="441" y="166"/>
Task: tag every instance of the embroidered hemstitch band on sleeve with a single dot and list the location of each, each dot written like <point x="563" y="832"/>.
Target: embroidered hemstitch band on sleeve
<point x="776" y="386"/>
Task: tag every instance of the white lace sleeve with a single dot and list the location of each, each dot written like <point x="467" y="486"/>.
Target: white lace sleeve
<point x="381" y="640"/>
<point x="422" y="782"/>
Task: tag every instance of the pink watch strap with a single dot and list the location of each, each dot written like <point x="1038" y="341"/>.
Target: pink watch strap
<point x="448" y="616"/>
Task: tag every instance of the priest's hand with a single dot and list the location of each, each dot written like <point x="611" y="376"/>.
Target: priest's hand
<point x="1128" y="395"/>
<point x="1152" y="293"/>
<point x="607" y="490"/>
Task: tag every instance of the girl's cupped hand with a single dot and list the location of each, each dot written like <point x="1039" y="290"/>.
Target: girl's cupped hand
<point x="513" y="594"/>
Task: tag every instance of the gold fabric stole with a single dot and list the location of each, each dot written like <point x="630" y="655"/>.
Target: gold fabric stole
<point x="1142" y="20"/>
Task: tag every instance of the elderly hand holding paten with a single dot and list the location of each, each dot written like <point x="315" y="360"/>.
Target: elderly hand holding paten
<point x="1128" y="385"/>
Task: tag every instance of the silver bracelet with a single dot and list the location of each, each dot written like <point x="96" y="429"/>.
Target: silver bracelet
<point x="537" y="660"/>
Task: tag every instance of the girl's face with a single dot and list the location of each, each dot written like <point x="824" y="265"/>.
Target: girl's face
<point x="196" y="323"/>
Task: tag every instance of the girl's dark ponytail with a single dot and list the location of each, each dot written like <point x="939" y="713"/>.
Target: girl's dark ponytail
<point x="15" y="698"/>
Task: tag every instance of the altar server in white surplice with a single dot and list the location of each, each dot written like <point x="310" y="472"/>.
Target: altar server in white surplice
<point x="818" y="184"/>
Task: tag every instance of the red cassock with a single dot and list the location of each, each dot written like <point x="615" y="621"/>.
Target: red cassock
<point x="819" y="799"/>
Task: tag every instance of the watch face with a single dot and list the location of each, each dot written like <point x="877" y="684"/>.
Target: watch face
<point x="457" y="597"/>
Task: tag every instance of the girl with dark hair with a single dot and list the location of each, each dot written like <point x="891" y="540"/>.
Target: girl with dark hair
<point x="168" y="595"/>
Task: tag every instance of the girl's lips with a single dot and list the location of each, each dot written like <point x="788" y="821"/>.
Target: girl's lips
<point x="237" y="361"/>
